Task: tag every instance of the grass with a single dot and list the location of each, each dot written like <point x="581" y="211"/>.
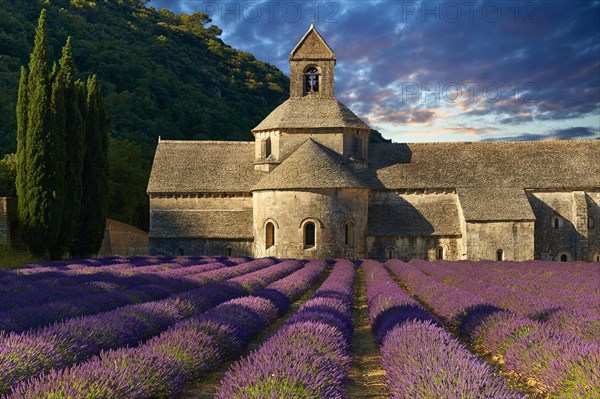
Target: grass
<point x="11" y="258"/>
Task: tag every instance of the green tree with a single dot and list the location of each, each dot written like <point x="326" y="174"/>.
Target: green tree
<point x="73" y="127"/>
<point x="44" y="153"/>
<point x="8" y="172"/>
<point x="57" y="163"/>
<point x="94" y="203"/>
<point x="21" y="175"/>
<point x="129" y="175"/>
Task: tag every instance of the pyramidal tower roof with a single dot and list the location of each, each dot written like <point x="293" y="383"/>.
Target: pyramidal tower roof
<point x="306" y="112"/>
<point x="312" y="45"/>
<point x="312" y="166"/>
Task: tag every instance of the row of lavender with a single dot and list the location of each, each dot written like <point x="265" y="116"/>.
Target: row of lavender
<point x="161" y="366"/>
<point x="308" y="356"/>
<point x="28" y="286"/>
<point x="86" y="290"/>
<point x="87" y="299"/>
<point x="562" y="288"/>
<point x="420" y="358"/>
<point x="557" y="360"/>
<point x="25" y="355"/>
<point x="580" y="318"/>
<point x="568" y="276"/>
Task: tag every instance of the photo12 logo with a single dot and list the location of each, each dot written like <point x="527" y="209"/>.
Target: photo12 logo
<point x="454" y="92"/>
<point x="469" y="11"/>
<point x="272" y="11"/>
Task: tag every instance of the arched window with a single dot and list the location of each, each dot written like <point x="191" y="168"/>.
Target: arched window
<point x="312" y="78"/>
<point x="349" y="233"/>
<point x="556" y="223"/>
<point x="270" y="235"/>
<point x="439" y="253"/>
<point x="228" y="251"/>
<point x="564" y="258"/>
<point x="309" y="235"/>
<point x="267" y="147"/>
<point x="499" y="254"/>
<point x="597" y="258"/>
<point x="356" y="146"/>
<point x="391" y="253"/>
<point x="179" y="251"/>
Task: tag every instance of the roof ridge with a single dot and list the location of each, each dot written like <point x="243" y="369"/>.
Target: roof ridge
<point x="206" y="142"/>
<point x="496" y="142"/>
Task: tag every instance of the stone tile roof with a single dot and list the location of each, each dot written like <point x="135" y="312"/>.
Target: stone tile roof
<point x="494" y="204"/>
<point x="203" y="166"/>
<point x="572" y="164"/>
<point x="309" y="112"/>
<point x="218" y="166"/>
<point x="311" y="166"/>
<point x="226" y="224"/>
<point x="415" y="215"/>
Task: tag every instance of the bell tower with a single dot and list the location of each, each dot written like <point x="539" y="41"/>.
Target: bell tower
<point x="312" y="65"/>
<point x="311" y="112"/>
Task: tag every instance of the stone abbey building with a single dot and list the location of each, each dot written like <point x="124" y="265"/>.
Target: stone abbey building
<point x="311" y="185"/>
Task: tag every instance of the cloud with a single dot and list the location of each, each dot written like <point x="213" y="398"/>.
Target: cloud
<point x="409" y="117"/>
<point x="517" y="119"/>
<point x="573" y="133"/>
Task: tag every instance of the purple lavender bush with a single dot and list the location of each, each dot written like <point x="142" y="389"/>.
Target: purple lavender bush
<point x="421" y="359"/>
<point x="450" y="304"/>
<point x="424" y="361"/>
<point x="564" y="364"/>
<point x="308" y="356"/>
<point x="159" y="367"/>
<point x="88" y="335"/>
<point x="389" y="305"/>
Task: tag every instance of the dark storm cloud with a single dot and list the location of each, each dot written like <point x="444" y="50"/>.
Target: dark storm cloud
<point x="572" y="133"/>
<point x="544" y="56"/>
<point x="517" y="119"/>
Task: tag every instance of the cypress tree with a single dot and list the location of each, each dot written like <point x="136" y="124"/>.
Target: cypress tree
<point x="21" y="138"/>
<point x="39" y="194"/>
<point x="74" y="100"/>
<point x="56" y="162"/>
<point x="94" y="203"/>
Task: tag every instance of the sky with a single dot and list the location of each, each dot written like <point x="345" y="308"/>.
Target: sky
<point x="424" y="71"/>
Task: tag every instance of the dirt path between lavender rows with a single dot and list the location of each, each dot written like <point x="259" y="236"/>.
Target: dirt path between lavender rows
<point x="366" y="374"/>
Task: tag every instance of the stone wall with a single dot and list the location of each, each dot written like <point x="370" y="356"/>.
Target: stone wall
<point x="514" y="239"/>
<point x="414" y="247"/>
<point x="199" y="247"/>
<point x="593" y="241"/>
<point x="552" y="241"/>
<point x="329" y="210"/>
<point x="326" y="68"/>
<point x="8" y="221"/>
<point x="203" y="224"/>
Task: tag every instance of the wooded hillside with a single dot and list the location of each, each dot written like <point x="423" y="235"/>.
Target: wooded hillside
<point x="162" y="75"/>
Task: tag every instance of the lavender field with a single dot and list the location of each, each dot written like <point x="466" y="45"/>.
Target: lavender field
<point x="226" y="328"/>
